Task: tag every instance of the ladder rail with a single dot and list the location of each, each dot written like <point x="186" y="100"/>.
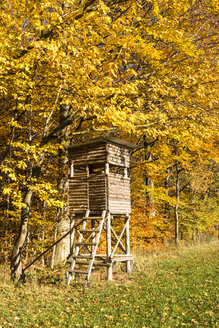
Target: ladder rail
<point x="77" y="248"/>
<point x="95" y="237"/>
<point x="95" y="247"/>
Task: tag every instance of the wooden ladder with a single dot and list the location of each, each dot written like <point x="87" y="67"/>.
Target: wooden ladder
<point x="90" y="243"/>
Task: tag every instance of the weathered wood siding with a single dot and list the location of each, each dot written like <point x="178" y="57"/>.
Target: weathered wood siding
<point x="118" y="155"/>
<point x="93" y="189"/>
<point x="78" y="191"/>
<point x="87" y="193"/>
<point x="119" y="195"/>
<point x="89" y="154"/>
<point x="97" y="192"/>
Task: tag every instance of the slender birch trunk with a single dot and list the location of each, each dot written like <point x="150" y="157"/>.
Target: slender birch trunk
<point x="149" y="183"/>
<point x="54" y="250"/>
<point x="176" y="209"/>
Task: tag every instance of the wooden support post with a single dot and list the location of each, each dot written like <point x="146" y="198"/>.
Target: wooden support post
<point x="93" y="237"/>
<point x="119" y="240"/>
<point x="72" y="234"/>
<point x="88" y="193"/>
<point x="127" y="244"/>
<point x="72" y="169"/>
<point x="107" y="185"/>
<point x="107" y="168"/>
<point x="108" y="238"/>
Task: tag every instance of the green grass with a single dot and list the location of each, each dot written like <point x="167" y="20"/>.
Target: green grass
<point x="174" y="288"/>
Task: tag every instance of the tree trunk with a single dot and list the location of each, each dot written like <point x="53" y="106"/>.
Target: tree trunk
<point x="16" y="264"/>
<point x="149" y="183"/>
<point x="149" y="195"/>
<point x="176" y="209"/>
<point x="62" y="249"/>
<point x="8" y="200"/>
<point x="166" y="185"/>
<point x="53" y="250"/>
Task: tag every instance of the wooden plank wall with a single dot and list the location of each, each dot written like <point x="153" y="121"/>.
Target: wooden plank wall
<point x="119" y="194"/>
<point x="97" y="192"/>
<point x="78" y="193"/>
<point x="94" y="192"/>
<point x="88" y="154"/>
<point x="118" y="155"/>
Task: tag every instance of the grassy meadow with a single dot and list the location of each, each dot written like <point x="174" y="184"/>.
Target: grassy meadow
<point x="168" y="288"/>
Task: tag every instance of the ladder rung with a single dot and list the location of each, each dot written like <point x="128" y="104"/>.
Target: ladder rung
<point x="101" y="264"/>
<point x="78" y="258"/>
<point x="82" y="263"/>
<point x="92" y="218"/>
<point x="78" y="271"/>
<point x="88" y="257"/>
<point x="95" y="263"/>
<point x="89" y="230"/>
<point x="86" y="244"/>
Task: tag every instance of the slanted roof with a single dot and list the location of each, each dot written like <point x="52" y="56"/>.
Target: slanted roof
<point x="113" y="140"/>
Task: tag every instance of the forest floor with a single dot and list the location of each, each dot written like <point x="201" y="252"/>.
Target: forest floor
<point x="168" y="288"/>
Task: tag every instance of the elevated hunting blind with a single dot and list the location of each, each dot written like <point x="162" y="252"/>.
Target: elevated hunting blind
<point x="99" y="202"/>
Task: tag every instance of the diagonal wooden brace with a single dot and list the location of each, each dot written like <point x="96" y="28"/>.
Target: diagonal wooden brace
<point x="119" y="239"/>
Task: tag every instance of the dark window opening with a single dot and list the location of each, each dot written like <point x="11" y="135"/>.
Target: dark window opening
<point x="119" y="170"/>
<point x="95" y="169"/>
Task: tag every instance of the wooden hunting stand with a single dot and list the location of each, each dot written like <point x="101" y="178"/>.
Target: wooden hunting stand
<point x="99" y="196"/>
